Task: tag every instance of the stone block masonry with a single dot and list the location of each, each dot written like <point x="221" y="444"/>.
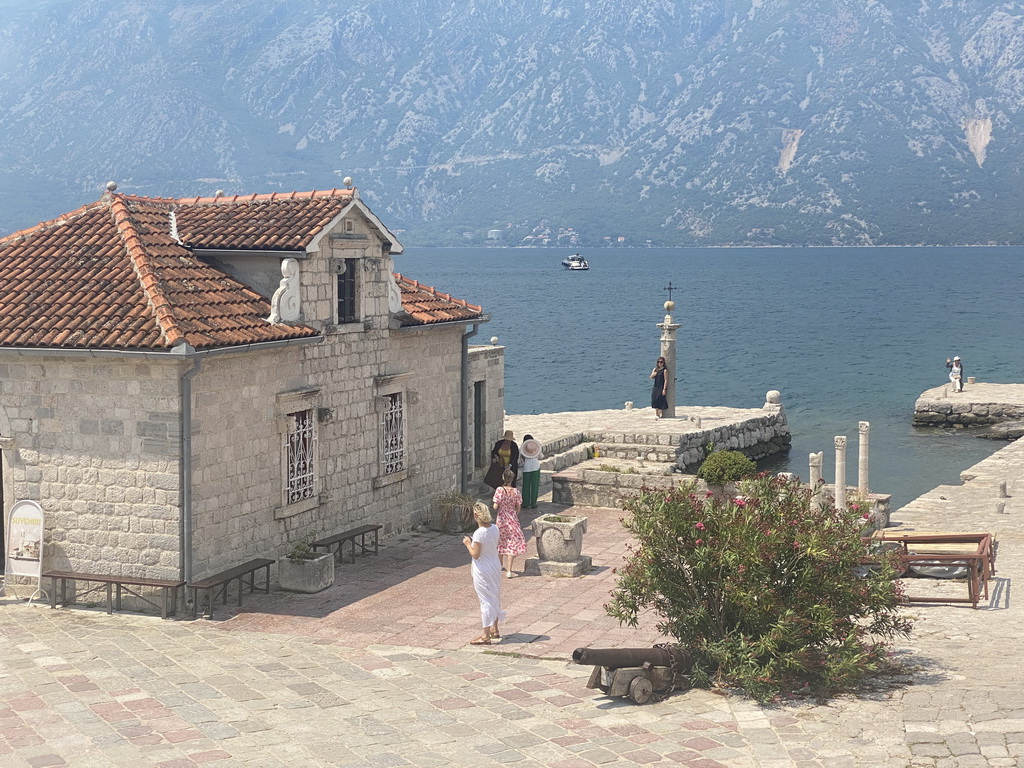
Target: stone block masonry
<point x="979" y="404"/>
<point x="678" y="444"/>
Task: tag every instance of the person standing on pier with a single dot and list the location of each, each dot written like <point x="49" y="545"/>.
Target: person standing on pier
<point x="659" y="401"/>
<point x="531" y="455"/>
<point x="956" y="373"/>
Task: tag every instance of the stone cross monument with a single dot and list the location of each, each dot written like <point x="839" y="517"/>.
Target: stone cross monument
<point x="668" y="351"/>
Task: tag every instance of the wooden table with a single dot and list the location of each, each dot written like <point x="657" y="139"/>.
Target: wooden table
<point x="972" y="550"/>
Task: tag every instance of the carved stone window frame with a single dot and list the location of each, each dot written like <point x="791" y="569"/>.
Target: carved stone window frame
<point x="288" y="403"/>
<point x="340" y="264"/>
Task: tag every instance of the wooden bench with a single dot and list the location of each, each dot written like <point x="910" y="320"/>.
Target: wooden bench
<point x="339" y="539"/>
<point x="167" y="588"/>
<point x="221" y="581"/>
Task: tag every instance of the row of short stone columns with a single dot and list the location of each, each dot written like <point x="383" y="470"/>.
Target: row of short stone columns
<point x="816" y="460"/>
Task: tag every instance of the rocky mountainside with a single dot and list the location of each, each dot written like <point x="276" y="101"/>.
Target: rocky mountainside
<point x="674" y="122"/>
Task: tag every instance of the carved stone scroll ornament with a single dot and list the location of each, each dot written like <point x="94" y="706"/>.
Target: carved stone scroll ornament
<point x="285" y="306"/>
<point x="394" y="292"/>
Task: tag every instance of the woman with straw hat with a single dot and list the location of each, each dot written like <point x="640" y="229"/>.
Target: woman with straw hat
<point x="530" y="462"/>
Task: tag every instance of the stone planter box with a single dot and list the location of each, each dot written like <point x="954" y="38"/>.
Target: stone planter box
<point x="559" y="546"/>
<point x="309" y="576"/>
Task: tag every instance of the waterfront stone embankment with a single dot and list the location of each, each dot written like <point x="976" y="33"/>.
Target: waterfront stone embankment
<point x="978" y="405"/>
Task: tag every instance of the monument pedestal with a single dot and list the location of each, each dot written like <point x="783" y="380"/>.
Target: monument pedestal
<point x="537" y="567"/>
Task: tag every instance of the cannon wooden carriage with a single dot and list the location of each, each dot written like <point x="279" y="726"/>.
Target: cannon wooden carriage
<point x="639" y="673"/>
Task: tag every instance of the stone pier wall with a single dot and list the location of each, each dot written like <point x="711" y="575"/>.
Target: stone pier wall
<point x="942" y="413"/>
<point x="756" y="438"/>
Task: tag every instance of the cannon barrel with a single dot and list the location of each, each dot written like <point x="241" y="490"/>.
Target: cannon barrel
<point x="678" y="658"/>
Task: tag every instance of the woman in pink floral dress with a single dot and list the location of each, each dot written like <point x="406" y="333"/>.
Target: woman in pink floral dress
<point x="507" y="501"/>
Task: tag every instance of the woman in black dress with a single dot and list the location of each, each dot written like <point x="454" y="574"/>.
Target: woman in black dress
<point x="659" y="401"/>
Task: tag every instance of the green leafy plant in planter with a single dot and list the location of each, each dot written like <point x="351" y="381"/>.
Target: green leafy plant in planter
<point x="723" y="467"/>
<point x="303" y="549"/>
<point x="766" y="591"/>
<point x="456" y="510"/>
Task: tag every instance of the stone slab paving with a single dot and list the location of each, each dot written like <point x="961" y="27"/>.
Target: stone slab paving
<point x="374" y="672"/>
<point x="548" y="427"/>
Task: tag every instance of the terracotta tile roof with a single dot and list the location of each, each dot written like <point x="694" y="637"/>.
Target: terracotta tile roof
<point x="111" y="276"/>
<point x="278" y="222"/>
<point x="426" y="305"/>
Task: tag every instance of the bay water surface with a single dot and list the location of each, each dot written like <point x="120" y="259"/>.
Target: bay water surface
<point x="845" y="334"/>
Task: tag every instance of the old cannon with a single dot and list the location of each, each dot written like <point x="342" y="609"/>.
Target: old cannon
<point x="639" y="673"/>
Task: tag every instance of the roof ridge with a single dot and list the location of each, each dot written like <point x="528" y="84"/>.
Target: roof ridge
<point x="268" y="196"/>
<point x="145" y="271"/>
<point x="23" y="234"/>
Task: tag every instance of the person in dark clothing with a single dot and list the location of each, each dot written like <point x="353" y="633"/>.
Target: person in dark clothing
<point x="659" y="399"/>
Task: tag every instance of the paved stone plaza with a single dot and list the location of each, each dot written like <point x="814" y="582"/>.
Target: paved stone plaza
<point x="376" y="672"/>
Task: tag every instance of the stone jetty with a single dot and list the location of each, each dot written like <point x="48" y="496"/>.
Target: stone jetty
<point x="597" y="457"/>
<point x="978" y="405"/>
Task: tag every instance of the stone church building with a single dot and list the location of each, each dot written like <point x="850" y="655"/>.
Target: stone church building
<point x="187" y="384"/>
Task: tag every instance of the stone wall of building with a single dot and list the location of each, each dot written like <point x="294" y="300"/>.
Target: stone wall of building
<point x="95" y="441"/>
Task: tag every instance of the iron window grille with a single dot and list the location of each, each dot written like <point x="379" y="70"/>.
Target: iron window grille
<point x="392" y="434"/>
<point x="302" y="444"/>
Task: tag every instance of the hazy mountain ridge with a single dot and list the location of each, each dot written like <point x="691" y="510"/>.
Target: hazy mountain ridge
<point x="730" y="122"/>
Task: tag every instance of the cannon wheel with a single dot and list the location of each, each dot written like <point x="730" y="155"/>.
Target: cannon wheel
<point x="640" y="689"/>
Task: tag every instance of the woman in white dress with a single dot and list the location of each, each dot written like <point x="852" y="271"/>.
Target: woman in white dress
<point x="483" y="546"/>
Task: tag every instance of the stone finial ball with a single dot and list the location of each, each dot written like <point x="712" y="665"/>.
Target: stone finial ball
<point x="111" y="186"/>
<point x="773" y="396"/>
<point x="347" y="181"/>
<point x="669" y="306"/>
<point x="494" y="340"/>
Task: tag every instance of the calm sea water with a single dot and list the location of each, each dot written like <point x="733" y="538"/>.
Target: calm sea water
<point x="846" y="334"/>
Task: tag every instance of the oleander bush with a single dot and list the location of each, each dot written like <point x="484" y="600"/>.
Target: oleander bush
<point x="723" y="467"/>
<point x="765" y="591"/>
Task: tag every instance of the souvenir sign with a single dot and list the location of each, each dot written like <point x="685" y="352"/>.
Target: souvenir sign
<point x="25" y="540"/>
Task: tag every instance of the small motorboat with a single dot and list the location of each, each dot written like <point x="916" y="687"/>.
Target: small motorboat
<point x="575" y="262"/>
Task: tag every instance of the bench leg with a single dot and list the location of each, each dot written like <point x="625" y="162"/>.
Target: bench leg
<point x="240" y="580"/>
<point x="109" y="585"/>
<point x="266" y="579"/>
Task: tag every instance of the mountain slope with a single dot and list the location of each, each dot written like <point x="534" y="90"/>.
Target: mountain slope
<point x="682" y="123"/>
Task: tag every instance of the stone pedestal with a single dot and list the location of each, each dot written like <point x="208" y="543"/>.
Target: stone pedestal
<point x="537" y="567"/>
<point x="668" y="351"/>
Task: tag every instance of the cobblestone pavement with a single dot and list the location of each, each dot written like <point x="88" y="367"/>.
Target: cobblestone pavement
<point x="375" y="672"/>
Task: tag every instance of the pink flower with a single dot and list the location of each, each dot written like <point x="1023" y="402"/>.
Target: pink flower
<point x="866" y="516"/>
<point x="700" y="526"/>
<point x="739" y="502"/>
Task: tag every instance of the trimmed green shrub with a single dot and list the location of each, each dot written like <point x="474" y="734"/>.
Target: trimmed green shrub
<point x="723" y="467"/>
<point x="766" y="593"/>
